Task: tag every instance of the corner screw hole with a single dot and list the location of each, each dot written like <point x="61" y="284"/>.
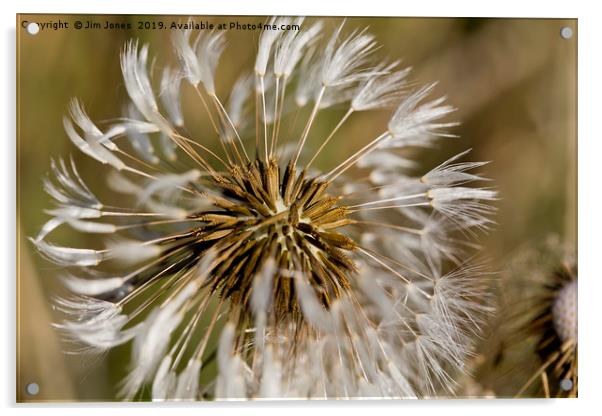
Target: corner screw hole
<point x="33" y="28"/>
<point x="566" y="32"/>
<point x="32" y="389"/>
<point x="566" y="384"/>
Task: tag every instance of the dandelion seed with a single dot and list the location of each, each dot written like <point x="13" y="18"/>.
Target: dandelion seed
<point x="200" y="59"/>
<point x="317" y="285"/>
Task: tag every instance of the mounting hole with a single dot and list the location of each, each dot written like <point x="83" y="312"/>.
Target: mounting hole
<point x="32" y="389"/>
<point x="566" y="384"/>
<point x="33" y="28"/>
<point x="566" y="32"/>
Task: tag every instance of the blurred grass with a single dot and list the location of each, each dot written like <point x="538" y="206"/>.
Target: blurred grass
<point x="513" y="81"/>
<point x="39" y="359"/>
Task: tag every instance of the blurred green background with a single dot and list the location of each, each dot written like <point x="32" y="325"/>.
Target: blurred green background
<point x="512" y="80"/>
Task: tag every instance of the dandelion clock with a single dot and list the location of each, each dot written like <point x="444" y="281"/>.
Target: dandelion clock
<point x="242" y="208"/>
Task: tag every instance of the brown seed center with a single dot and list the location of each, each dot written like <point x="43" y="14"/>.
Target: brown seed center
<point x="289" y="218"/>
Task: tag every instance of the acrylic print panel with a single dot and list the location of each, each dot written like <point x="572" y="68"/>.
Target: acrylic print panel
<point x="222" y="207"/>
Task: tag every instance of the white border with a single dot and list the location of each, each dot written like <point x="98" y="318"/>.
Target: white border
<point x="590" y="153"/>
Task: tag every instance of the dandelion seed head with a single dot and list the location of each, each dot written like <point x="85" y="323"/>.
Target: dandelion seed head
<point x="564" y="311"/>
<point x="317" y="283"/>
<point x="542" y="281"/>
